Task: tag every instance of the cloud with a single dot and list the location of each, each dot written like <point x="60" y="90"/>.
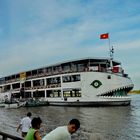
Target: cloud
<point x="37" y="33"/>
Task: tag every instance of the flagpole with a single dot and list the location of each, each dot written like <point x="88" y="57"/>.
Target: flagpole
<point x="109" y="46"/>
<point x="110" y="52"/>
<point x="109" y="43"/>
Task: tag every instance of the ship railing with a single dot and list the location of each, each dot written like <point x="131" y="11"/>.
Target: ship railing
<point x="26" y="88"/>
<point x="114" y="97"/>
<point x="53" y="85"/>
<point x="86" y="69"/>
<point x="16" y="89"/>
<point x="41" y="75"/>
<point x="36" y="87"/>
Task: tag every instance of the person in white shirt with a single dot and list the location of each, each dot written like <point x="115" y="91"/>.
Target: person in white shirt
<point x="25" y="124"/>
<point x="63" y="132"/>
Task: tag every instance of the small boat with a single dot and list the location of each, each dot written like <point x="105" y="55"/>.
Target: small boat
<point x="35" y="103"/>
<point x="12" y="105"/>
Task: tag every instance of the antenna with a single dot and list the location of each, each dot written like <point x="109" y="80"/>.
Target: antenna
<point x="111" y="52"/>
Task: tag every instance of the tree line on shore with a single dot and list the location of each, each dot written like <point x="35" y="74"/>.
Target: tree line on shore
<point x="135" y="91"/>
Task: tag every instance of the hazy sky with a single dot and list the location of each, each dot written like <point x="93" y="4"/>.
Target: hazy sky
<point x="36" y="33"/>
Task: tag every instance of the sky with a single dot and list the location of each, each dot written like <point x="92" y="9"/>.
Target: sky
<point x="37" y="33"/>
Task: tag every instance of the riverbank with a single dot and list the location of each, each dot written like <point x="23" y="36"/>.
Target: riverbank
<point x="135" y="92"/>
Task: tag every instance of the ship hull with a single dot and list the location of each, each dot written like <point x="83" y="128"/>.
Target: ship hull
<point x="91" y="104"/>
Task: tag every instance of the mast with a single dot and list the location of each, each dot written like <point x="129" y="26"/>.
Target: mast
<point x="111" y="52"/>
<point x="111" y="49"/>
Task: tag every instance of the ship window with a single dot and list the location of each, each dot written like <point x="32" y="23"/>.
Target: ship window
<point x="81" y="67"/>
<point x="34" y="72"/>
<point x="49" y="93"/>
<point x="28" y="73"/>
<point x="2" y="80"/>
<point x="66" y="78"/>
<point x="67" y="94"/>
<point x="16" y="95"/>
<point x="16" y="85"/>
<point x="40" y="71"/>
<point x="24" y="94"/>
<point x="6" y="87"/>
<point x="76" y="77"/>
<point x="28" y="84"/>
<point x="56" y="69"/>
<point x="27" y="95"/>
<point x="73" y="67"/>
<point x="56" y="93"/>
<point x="55" y="80"/>
<point x="53" y="93"/>
<point x="39" y="82"/>
<point x="17" y="76"/>
<point x="71" y="78"/>
<point x="66" y="68"/>
<point x="72" y="93"/>
<point x="39" y="93"/>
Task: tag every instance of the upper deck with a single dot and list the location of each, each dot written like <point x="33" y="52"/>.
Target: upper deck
<point x="78" y="65"/>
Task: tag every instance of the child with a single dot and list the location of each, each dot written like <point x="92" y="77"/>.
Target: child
<point x="33" y="133"/>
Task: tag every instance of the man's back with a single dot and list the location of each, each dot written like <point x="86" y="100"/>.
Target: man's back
<point x="26" y="124"/>
<point x="60" y="133"/>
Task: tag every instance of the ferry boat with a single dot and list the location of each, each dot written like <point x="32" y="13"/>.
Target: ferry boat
<point x="91" y="81"/>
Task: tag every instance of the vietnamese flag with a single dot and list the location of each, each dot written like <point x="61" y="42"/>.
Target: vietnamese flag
<point x="104" y="36"/>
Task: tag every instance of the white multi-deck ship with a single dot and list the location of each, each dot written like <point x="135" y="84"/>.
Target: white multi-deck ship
<point x="81" y="82"/>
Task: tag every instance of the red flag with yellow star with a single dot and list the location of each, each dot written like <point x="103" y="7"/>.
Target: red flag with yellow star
<point x="104" y="36"/>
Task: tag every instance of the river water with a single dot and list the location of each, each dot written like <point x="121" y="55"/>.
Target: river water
<point x="113" y="123"/>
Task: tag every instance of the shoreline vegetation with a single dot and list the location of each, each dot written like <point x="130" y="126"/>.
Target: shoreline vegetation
<point x="135" y="92"/>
